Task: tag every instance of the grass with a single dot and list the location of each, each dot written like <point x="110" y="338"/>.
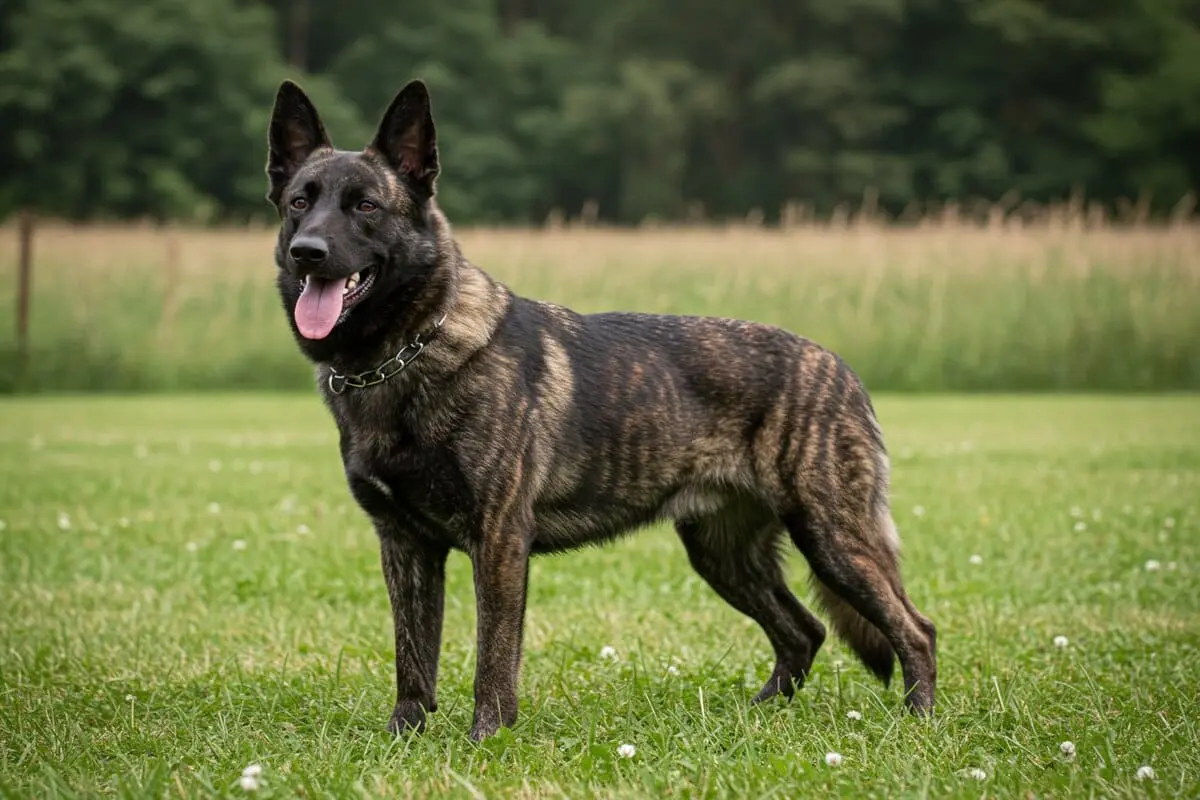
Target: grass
<point x="186" y="589"/>
<point x="937" y="307"/>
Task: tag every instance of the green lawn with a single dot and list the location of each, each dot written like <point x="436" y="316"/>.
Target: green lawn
<point x="186" y="589"/>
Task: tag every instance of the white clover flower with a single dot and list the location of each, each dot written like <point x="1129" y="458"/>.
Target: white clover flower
<point x="672" y="669"/>
<point x="129" y="698"/>
<point x="975" y="559"/>
<point x="239" y="544"/>
<point x="608" y="653"/>
<point x="214" y="465"/>
<point x="918" y="511"/>
<point x="626" y="751"/>
<point x="1145" y="772"/>
<point x="191" y="547"/>
<point x="1080" y="526"/>
<point x="1076" y="511"/>
<point x="214" y="508"/>
<point x="975" y="773"/>
<point x="1169" y="522"/>
<point x="253" y="770"/>
<point x="302" y="529"/>
<point x="854" y="715"/>
<point x="1152" y="565"/>
<point x="64" y="521"/>
<point x="1060" y="641"/>
<point x="833" y="759"/>
<point x="249" y="783"/>
<point x="1068" y="749"/>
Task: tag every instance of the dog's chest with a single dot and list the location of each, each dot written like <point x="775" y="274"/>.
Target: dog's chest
<point x="398" y="481"/>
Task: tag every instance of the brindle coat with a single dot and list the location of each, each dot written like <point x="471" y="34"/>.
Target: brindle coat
<point x="525" y="428"/>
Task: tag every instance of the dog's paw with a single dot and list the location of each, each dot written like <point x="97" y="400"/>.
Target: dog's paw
<point x="483" y="729"/>
<point x="780" y="684"/>
<point x="408" y="717"/>
<point x="488" y="723"/>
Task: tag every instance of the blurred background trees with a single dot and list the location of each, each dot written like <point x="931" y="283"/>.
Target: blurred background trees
<point x="158" y="108"/>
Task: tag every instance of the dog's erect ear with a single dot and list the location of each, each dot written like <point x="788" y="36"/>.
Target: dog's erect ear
<point x="407" y="138"/>
<point x="295" y="132"/>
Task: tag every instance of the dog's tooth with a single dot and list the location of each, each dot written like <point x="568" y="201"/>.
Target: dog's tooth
<point x="354" y="278"/>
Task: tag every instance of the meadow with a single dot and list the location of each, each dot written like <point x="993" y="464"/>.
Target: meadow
<point x="186" y="590"/>
<point x="1057" y="303"/>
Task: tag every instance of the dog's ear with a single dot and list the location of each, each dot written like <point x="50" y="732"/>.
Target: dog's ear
<point x="407" y="139"/>
<point x="295" y="132"/>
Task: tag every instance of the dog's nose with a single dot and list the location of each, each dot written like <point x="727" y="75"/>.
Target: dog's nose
<point x="308" y="250"/>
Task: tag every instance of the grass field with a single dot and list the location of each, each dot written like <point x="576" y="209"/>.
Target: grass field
<point x="186" y="589"/>
<point x="951" y="306"/>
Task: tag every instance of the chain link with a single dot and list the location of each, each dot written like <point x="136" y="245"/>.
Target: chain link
<point x="339" y="383"/>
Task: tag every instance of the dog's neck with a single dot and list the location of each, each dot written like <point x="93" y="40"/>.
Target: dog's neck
<point x="455" y="316"/>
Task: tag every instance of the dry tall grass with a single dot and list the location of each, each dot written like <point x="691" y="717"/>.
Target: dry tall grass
<point x="941" y="305"/>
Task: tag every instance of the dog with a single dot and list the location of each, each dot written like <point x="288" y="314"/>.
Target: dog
<point x="471" y="418"/>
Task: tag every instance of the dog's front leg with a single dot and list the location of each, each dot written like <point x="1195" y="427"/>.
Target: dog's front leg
<point x="415" y="573"/>
<point x="501" y="568"/>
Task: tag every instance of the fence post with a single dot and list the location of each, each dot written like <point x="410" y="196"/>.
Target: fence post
<point x="25" y="224"/>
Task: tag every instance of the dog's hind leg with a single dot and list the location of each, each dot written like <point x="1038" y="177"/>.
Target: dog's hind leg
<point x="856" y="571"/>
<point x="738" y="555"/>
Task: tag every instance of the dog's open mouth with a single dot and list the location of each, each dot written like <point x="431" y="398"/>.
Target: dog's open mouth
<point x="324" y="303"/>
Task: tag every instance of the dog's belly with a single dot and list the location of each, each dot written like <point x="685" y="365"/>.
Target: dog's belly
<point x="565" y="529"/>
<point x="566" y="526"/>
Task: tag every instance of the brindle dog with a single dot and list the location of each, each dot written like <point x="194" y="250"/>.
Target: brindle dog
<point x="471" y="418"/>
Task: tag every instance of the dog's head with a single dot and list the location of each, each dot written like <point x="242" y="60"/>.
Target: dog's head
<point x="356" y="245"/>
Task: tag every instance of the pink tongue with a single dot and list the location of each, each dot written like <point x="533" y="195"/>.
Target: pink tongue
<point x="319" y="307"/>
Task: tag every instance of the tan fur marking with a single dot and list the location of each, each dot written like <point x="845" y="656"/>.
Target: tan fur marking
<point x="556" y="397"/>
<point x="564" y="316"/>
<point x="817" y="363"/>
<point x="478" y="307"/>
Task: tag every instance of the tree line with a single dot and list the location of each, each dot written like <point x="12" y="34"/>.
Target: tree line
<point x="638" y="109"/>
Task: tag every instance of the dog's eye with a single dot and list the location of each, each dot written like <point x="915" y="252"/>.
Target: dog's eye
<point x="366" y="206"/>
<point x="299" y="203"/>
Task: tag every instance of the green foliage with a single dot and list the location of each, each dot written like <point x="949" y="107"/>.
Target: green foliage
<point x="644" y="109"/>
<point x="124" y="109"/>
<point x="492" y="97"/>
<point x="187" y="588"/>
